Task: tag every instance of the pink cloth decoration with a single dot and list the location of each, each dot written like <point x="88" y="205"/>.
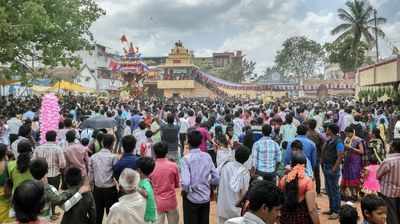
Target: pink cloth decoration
<point x="371" y="183"/>
<point x="49" y="115"/>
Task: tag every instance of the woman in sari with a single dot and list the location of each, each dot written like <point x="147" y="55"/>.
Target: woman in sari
<point x="300" y="205"/>
<point x="376" y="146"/>
<point x="4" y="189"/>
<point x="371" y="124"/>
<point x="352" y="166"/>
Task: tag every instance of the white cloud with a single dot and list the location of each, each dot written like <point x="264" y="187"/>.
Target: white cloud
<point x="263" y="41"/>
<point x="256" y="27"/>
<point x="377" y="3"/>
<point x="392" y="32"/>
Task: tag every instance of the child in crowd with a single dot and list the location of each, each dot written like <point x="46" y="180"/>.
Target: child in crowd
<point x="370" y="182"/>
<point x="146" y="147"/>
<point x="146" y="166"/>
<point x="95" y="145"/>
<point x="382" y="129"/>
<point x="281" y="168"/>
<point x="373" y="209"/>
<point x="127" y="129"/>
<point x="66" y="200"/>
<point x="348" y="214"/>
<point x="85" y="142"/>
<point x="84" y="212"/>
<point x="224" y="152"/>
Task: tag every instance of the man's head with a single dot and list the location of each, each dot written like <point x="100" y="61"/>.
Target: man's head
<point x="129" y="180"/>
<point x="146" y="165"/>
<point x="73" y="177"/>
<point x="51" y="136"/>
<point x="160" y="149"/>
<point x="301" y="130"/>
<point x="332" y="130"/>
<point x="128" y="143"/>
<point x="194" y="138"/>
<point x="142" y="125"/>
<point x="374" y="209"/>
<point x="348" y="215"/>
<point x="288" y="119"/>
<point x="242" y="154"/>
<point x="395" y="147"/>
<point x="312" y="124"/>
<point x="108" y="141"/>
<point x="149" y="134"/>
<point x="28" y="201"/>
<point x="68" y="123"/>
<point x="297" y="146"/>
<point x="170" y="118"/>
<point x="266" y="200"/>
<point x="266" y="130"/>
<point x="38" y="168"/>
<point x="70" y="136"/>
<point x="25" y="131"/>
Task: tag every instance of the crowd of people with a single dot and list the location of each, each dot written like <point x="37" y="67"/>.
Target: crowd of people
<point x="262" y="163"/>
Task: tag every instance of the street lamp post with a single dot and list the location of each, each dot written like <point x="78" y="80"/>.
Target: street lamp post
<point x="376" y="36"/>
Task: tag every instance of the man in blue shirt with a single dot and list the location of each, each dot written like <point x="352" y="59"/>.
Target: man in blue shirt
<point x="266" y="155"/>
<point x="128" y="159"/>
<point x="135" y="120"/>
<point x="309" y="148"/>
<point x="331" y="158"/>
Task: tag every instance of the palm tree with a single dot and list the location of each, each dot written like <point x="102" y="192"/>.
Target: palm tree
<point x="358" y="22"/>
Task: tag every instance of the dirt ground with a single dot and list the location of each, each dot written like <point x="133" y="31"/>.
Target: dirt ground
<point x="322" y="202"/>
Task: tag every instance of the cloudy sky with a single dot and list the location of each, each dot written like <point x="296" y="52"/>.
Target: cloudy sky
<point x="257" y="27"/>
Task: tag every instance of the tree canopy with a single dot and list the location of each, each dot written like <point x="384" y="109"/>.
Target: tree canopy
<point x="342" y="53"/>
<point x="359" y="25"/>
<point x="44" y="33"/>
<point x="237" y="72"/>
<point x="299" y="56"/>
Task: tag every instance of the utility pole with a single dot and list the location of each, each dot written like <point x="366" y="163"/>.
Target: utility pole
<point x="376" y="36"/>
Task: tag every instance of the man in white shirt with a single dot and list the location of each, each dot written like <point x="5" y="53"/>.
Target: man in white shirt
<point x="233" y="185"/>
<point x="24" y="133"/>
<point x="397" y="128"/>
<point x="266" y="200"/>
<point x="13" y="125"/>
<point x="183" y="129"/>
<point x="131" y="206"/>
<point x="140" y="135"/>
<point x="238" y="125"/>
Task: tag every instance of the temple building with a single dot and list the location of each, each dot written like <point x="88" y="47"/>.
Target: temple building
<point x="175" y="77"/>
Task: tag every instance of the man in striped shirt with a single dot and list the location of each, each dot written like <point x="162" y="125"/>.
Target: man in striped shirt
<point x="389" y="178"/>
<point x="266" y="155"/>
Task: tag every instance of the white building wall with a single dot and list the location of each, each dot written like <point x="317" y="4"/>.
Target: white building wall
<point x="86" y="79"/>
<point x="97" y="59"/>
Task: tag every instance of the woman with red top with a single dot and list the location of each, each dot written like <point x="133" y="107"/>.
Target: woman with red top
<point x="300" y="205"/>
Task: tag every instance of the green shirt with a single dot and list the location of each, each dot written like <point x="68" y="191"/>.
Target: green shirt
<point x="150" y="214"/>
<point x="17" y="177"/>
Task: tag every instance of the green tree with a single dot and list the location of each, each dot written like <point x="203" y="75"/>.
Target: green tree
<point x="238" y="72"/>
<point x="299" y="56"/>
<point x="267" y="74"/>
<point x="343" y="54"/>
<point x="358" y="22"/>
<point x="37" y="34"/>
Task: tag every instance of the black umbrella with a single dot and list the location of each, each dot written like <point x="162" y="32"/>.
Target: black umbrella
<point x="99" y="123"/>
